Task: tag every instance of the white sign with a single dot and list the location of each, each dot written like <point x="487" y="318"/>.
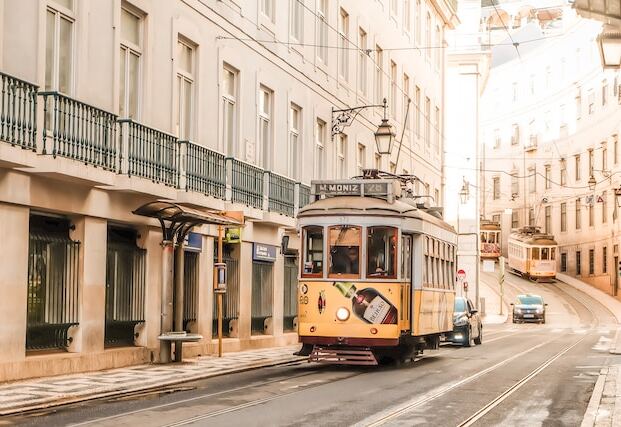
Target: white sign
<point x="488" y="265"/>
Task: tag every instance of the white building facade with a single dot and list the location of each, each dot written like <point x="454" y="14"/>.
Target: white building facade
<point x="220" y="105"/>
<point x="551" y="127"/>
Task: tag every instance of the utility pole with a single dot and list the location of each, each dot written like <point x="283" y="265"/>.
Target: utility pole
<point x="501" y="279"/>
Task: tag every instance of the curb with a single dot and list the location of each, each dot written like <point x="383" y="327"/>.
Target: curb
<point x="598" y="391"/>
<point x="615" y="346"/>
<point x="54" y="402"/>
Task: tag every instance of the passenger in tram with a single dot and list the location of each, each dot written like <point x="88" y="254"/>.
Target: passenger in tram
<point x="345" y="260"/>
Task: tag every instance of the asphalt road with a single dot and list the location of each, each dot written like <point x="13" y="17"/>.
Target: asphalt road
<point x="523" y="375"/>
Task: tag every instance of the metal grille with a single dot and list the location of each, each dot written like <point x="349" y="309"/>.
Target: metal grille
<point x="304" y="195"/>
<point x="79" y="131"/>
<point x="153" y="154"/>
<point x="125" y="289"/>
<point x="52" y="302"/>
<point x="290" y="308"/>
<point x="262" y="295"/>
<point x="190" y="288"/>
<point x="205" y="171"/>
<point x="18" y="111"/>
<point x="281" y="195"/>
<point x="230" y="300"/>
<point x="247" y="184"/>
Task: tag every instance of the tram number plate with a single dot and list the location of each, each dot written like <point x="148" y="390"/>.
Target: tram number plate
<point x="303" y="299"/>
<point x="376" y="188"/>
<point x="529" y="316"/>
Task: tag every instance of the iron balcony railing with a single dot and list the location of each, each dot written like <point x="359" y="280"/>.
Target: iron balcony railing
<point x="79" y="131"/>
<point x="151" y="153"/>
<point x="246" y="183"/>
<point x="204" y="170"/>
<point x="18" y="112"/>
<point x="304" y="198"/>
<point x="281" y="194"/>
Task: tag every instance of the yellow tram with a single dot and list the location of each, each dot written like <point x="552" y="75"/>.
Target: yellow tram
<point x="532" y="254"/>
<point x="490" y="239"/>
<point x="377" y="272"/>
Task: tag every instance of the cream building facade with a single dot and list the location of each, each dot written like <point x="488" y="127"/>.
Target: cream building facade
<point x="551" y="128"/>
<point x="226" y="105"/>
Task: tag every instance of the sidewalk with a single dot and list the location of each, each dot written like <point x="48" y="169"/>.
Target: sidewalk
<point x="488" y="291"/>
<point x="605" y="405"/>
<point x="47" y="392"/>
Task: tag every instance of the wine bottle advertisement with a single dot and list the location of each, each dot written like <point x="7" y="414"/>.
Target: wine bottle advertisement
<point x="367" y="303"/>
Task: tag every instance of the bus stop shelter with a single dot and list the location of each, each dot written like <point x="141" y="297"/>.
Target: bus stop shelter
<point x="176" y="222"/>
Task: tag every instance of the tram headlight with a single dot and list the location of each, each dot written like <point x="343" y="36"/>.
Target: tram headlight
<point x="342" y="314"/>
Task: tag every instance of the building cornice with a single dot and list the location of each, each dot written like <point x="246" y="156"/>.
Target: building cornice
<point x="447" y="9"/>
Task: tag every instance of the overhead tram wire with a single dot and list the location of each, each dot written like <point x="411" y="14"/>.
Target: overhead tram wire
<point x="502" y="21"/>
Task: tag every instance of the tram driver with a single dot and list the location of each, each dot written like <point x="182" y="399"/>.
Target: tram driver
<point x="345" y="259"/>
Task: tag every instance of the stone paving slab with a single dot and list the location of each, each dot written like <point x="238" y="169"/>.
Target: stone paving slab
<point x="604" y="408"/>
<point x="20" y="396"/>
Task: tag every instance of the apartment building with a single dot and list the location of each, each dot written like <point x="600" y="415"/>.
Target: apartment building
<point x="223" y="105"/>
<point x="551" y="157"/>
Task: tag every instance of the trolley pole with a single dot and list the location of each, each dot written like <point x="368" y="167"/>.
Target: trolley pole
<point x="501" y="278"/>
<point x="219" y="294"/>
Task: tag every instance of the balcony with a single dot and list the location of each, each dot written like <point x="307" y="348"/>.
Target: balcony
<point x="204" y="170"/>
<point x="531" y="144"/>
<point x="304" y="198"/>
<point x="247" y="183"/>
<point x="282" y="194"/>
<point x="18" y="112"/>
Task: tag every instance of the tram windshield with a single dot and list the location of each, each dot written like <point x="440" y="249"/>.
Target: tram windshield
<point x="382" y="252"/>
<point x="313" y="252"/>
<point x="489" y="237"/>
<point x="344" y="243"/>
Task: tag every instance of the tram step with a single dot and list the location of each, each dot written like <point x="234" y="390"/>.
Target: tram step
<point x="343" y="356"/>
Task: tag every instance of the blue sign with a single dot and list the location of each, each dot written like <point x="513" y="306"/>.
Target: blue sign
<point x="194" y="242"/>
<point x="261" y="252"/>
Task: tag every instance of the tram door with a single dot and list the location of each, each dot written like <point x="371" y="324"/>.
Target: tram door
<point x="406" y="285"/>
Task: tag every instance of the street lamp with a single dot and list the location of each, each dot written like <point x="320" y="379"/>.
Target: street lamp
<point x="383" y="137"/>
<point x="464" y="193"/>
<point x="592" y="182"/>
<point x="609" y="43"/>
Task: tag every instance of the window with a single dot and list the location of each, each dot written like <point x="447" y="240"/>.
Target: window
<point x="563" y="172"/>
<point x="407" y="16"/>
<point x="344" y="45"/>
<point x="313" y="252"/>
<point x="378" y="161"/>
<point x="577" y="161"/>
<point x="531" y="216"/>
<point x="427" y="121"/>
<point x="591" y="101"/>
<point x="532" y="180"/>
<point x="604" y="158"/>
<point x="515" y="186"/>
<point x="185" y="89"/>
<point x="265" y="125"/>
<point x="322" y="15"/>
<point x="437" y="197"/>
<point x="428" y="35"/>
<point x="379" y="71"/>
<point x="578" y="214"/>
<point x="267" y="9"/>
<point x="604" y="92"/>
<point x="418" y="25"/>
<point x="58" y="52"/>
<point x="514" y="219"/>
<point x="406" y="101"/>
<point x="361" y="158"/>
<point x="341" y="161"/>
<point x="320" y="143"/>
<point x="591" y="261"/>
<point x="548" y="173"/>
<point x="496" y="138"/>
<point x="344" y="251"/>
<point x="515" y="134"/>
<point x="362" y="62"/>
<point x="496" y="187"/>
<point x="296" y="20"/>
<point x="563" y="216"/>
<point x="392" y="168"/>
<point x="604" y="207"/>
<point x="591" y="161"/>
<point x="382" y="252"/>
<point x="615" y="149"/>
<point x="437" y="130"/>
<point x="130" y="64"/>
<point x="393" y="89"/>
<point x="548" y="222"/>
<point x="515" y="91"/>
<point x="438" y="48"/>
<point x="591" y="215"/>
<point x="604" y="259"/>
<point x="295" y="120"/>
<point x="578" y="263"/>
<point x="229" y="110"/>
<point x="563" y="262"/>
<point x="417" y="111"/>
<point x="406" y="257"/>
<point x="496" y="218"/>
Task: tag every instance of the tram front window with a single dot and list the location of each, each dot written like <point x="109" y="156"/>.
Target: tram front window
<point x="545" y="254"/>
<point x="313" y="252"/>
<point x="382" y="252"/>
<point x="344" y="251"/>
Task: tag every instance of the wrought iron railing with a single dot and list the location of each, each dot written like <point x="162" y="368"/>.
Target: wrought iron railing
<point x="246" y="183"/>
<point x="262" y="295"/>
<point x="204" y="170"/>
<point x="304" y="197"/>
<point x="190" y="288"/>
<point x="230" y="300"/>
<point x="151" y="153"/>
<point x="79" y="131"/>
<point x="125" y="292"/>
<point x="52" y="301"/>
<point x="281" y="195"/>
<point x="18" y="111"/>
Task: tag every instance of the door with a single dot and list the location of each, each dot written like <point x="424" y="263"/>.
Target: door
<point x="406" y="285"/>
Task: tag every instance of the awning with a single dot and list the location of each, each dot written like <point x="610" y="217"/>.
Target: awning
<point x="167" y="211"/>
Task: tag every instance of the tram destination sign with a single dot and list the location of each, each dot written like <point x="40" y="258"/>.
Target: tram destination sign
<point x="348" y="188"/>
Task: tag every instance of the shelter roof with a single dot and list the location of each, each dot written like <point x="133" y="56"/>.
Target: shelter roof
<point x="167" y="211"/>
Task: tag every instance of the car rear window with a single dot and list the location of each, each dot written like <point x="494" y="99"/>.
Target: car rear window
<point x="530" y="300"/>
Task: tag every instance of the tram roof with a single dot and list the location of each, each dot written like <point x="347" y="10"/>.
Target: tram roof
<point x="368" y="206"/>
<point x="487" y="225"/>
<point x="534" y="239"/>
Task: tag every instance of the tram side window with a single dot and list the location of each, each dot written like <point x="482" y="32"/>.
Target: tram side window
<point x="313" y="252"/>
<point x="406" y="257"/>
<point x="382" y="252"/>
<point x="344" y="251"/>
<point x="545" y="253"/>
<point x="534" y="254"/>
<point x="552" y="254"/>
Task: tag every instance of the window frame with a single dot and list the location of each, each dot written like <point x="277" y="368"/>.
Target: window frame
<point x="304" y="252"/>
<point x="60" y="12"/>
<point x="395" y="255"/>
<point x="231" y="100"/>
<point x="360" y="253"/>
<point x="186" y="77"/>
<point x="129" y="48"/>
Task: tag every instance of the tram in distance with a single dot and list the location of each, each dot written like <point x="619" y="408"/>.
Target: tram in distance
<point x="490" y="239"/>
<point x="532" y="254"/>
<point x="377" y="272"/>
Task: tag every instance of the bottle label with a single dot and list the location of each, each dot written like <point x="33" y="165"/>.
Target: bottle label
<point x="377" y="310"/>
